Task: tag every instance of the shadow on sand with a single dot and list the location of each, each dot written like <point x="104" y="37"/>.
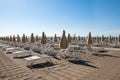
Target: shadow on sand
<point x="105" y="55"/>
<point x="41" y="65"/>
<point x="21" y="57"/>
<point x="102" y="51"/>
<point x="82" y="62"/>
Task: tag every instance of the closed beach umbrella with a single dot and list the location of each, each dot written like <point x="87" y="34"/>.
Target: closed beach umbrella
<point x="119" y="38"/>
<point x="27" y="39"/>
<point x="7" y="38"/>
<point x="89" y="39"/>
<point x="23" y="39"/>
<point x="10" y="38"/>
<point x="43" y="41"/>
<point x="69" y="38"/>
<point x="110" y="39"/>
<point x="32" y="38"/>
<point x="55" y="38"/>
<point x="14" y="39"/>
<point x="18" y="38"/>
<point x="79" y="39"/>
<point x="63" y="43"/>
<point x="37" y="39"/>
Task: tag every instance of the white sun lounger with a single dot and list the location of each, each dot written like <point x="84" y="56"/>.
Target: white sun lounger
<point x="25" y="53"/>
<point x="2" y="45"/>
<point x="32" y="59"/>
<point x="9" y="50"/>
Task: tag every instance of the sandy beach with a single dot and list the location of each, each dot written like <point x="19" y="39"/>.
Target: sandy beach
<point x="99" y="66"/>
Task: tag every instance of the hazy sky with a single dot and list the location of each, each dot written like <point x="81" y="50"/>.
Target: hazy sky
<point x="52" y="16"/>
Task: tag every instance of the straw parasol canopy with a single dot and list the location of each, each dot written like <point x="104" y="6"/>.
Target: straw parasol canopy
<point x="63" y="43"/>
<point x="37" y="39"/>
<point x="55" y="38"/>
<point x="110" y="39"/>
<point x="69" y="38"/>
<point x="18" y="38"/>
<point x="23" y="39"/>
<point x="27" y="39"/>
<point x="79" y="39"/>
<point x="89" y="39"/>
<point x="32" y="38"/>
<point x="14" y="39"/>
<point x="43" y="41"/>
<point x="7" y="38"/>
<point x="119" y="38"/>
<point x="10" y="38"/>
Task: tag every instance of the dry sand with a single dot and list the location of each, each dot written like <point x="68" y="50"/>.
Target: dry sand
<point x="100" y="66"/>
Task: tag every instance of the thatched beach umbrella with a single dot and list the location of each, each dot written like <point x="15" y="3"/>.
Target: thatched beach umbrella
<point x="23" y="39"/>
<point x="63" y="43"/>
<point x="69" y="38"/>
<point x="27" y="39"/>
<point x="95" y="38"/>
<point x="43" y="41"/>
<point x="110" y="39"/>
<point x="55" y="38"/>
<point x="14" y="39"/>
<point x="18" y="38"/>
<point x="7" y="38"/>
<point x="37" y="39"/>
<point x="79" y="39"/>
<point x="119" y="39"/>
<point x="10" y="38"/>
<point x="89" y="39"/>
<point x="32" y="40"/>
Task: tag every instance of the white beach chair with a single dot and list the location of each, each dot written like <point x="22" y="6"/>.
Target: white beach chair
<point x="2" y="45"/>
<point x="23" y="53"/>
<point x="10" y="50"/>
<point x="32" y="59"/>
<point x="7" y="49"/>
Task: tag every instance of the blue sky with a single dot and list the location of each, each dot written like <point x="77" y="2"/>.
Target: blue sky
<point x="53" y="16"/>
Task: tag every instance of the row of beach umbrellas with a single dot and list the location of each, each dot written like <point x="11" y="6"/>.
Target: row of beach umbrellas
<point x="65" y="41"/>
